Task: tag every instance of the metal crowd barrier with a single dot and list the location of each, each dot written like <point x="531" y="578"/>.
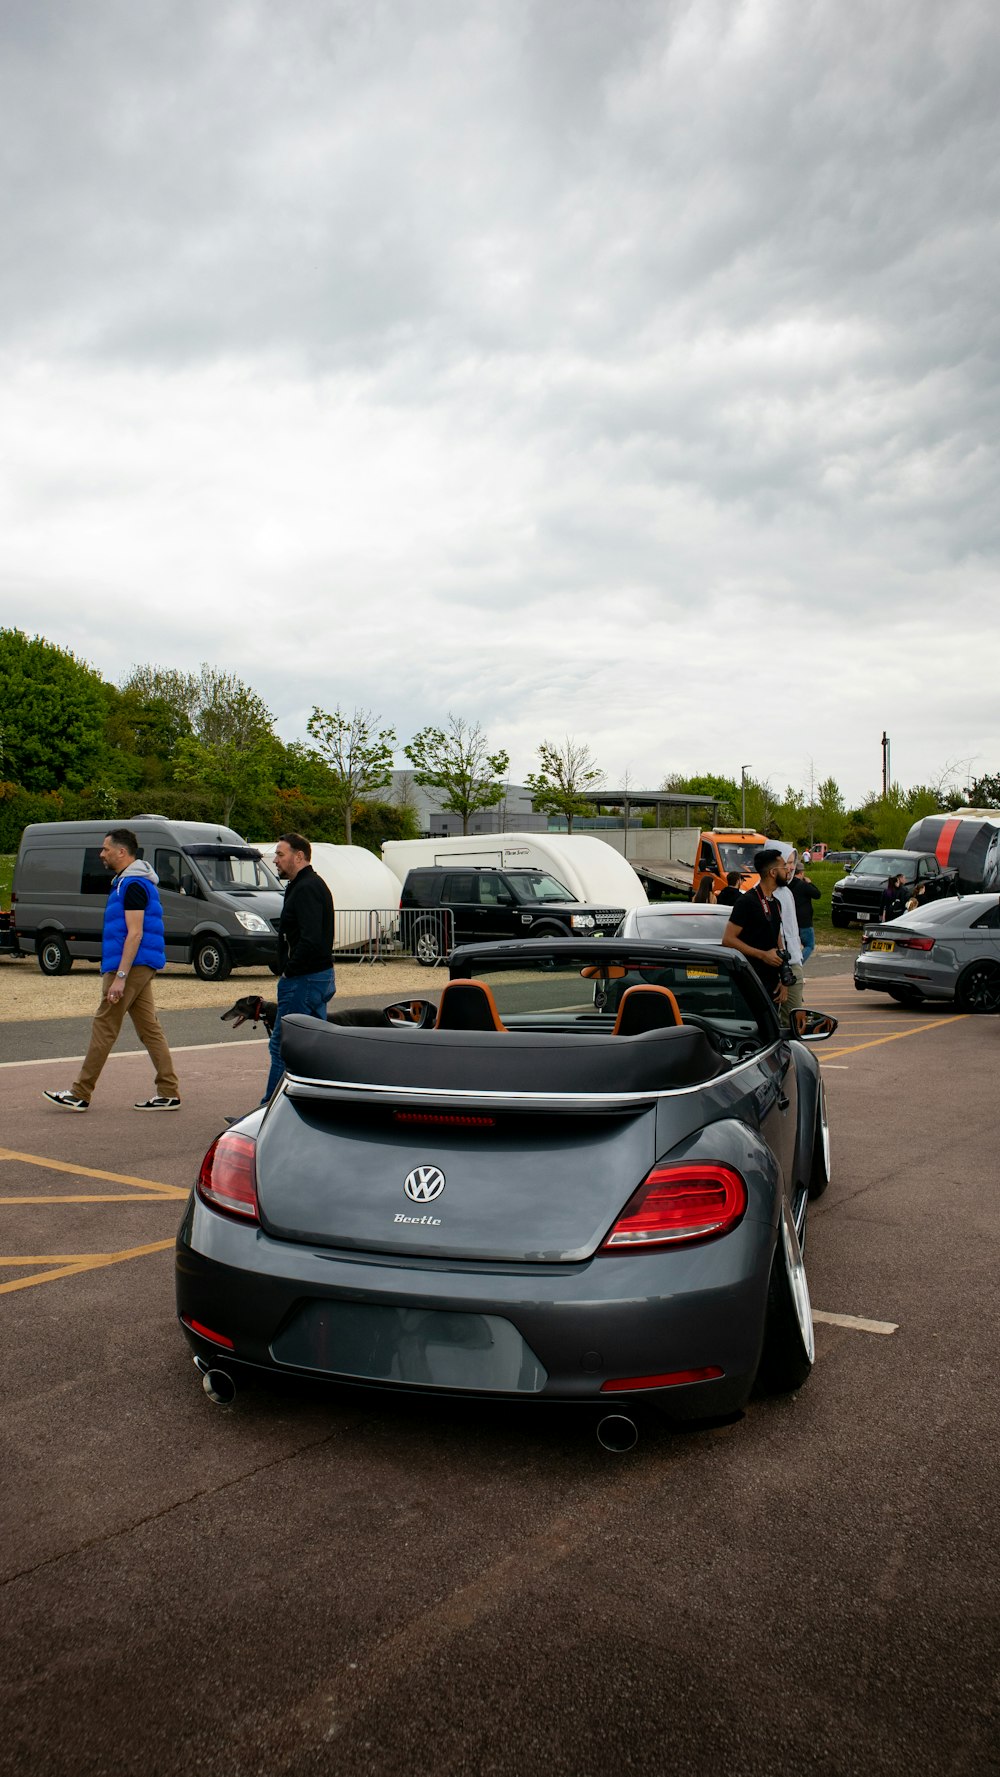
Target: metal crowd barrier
<point x="390" y="934"/>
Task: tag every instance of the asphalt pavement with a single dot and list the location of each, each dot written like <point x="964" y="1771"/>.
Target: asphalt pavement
<point x="325" y="1580"/>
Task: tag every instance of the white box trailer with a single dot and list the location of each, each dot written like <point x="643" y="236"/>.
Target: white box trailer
<point x="592" y="871"/>
<point x="360" y="883"/>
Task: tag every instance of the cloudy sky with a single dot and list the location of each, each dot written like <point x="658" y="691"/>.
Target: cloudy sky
<point x="598" y="367"/>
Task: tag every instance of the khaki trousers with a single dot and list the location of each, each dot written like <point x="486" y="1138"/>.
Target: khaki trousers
<point x="137" y="1001"/>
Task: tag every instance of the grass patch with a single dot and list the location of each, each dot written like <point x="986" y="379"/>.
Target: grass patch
<point x="6" y="877"/>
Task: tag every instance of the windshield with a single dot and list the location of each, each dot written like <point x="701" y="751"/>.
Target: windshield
<point x="697" y="928"/>
<point x="236" y="869"/>
<point x="883" y="864"/>
<point x="944" y="913"/>
<point x="583" y="992"/>
<point x="738" y="857"/>
<point x="538" y="885"/>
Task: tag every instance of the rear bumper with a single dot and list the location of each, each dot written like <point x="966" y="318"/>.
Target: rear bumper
<point x="880" y="975"/>
<point x="614" y="1317"/>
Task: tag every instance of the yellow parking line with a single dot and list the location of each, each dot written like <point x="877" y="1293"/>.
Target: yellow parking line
<point x="113" y="1178"/>
<point x="897" y="1037"/>
<point x="171" y="1196"/>
<point x="76" y="1265"/>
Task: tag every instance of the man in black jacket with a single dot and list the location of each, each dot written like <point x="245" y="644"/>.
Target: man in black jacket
<point x="305" y="943"/>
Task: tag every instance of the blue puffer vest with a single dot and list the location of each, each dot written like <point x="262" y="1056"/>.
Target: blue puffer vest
<point x="151" y="952"/>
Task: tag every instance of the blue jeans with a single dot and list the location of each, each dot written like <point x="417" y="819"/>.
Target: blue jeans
<point x="297" y="993"/>
<point x="808" y="936"/>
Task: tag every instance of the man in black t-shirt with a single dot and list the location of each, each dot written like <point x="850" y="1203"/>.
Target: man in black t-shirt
<point x="755" y="923"/>
<point x="729" y="896"/>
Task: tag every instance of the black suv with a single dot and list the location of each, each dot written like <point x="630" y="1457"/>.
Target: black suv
<point x="858" y="896"/>
<point x="442" y="907"/>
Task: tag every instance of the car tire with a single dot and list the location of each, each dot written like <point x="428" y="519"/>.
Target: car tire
<point x="978" y="988"/>
<point x="840" y="920"/>
<point x="54" y="955"/>
<point x="213" y="960"/>
<point x="819" y="1169"/>
<point x="906" y="996"/>
<point x="548" y="931"/>
<point x="789" y="1348"/>
<point x="426" y="945"/>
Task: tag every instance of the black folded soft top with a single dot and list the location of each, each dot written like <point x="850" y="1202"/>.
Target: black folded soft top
<point x="537" y="1062"/>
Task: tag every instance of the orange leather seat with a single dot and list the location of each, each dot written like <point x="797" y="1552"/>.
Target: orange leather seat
<point x="646" y="1008"/>
<point x="467" y="1005"/>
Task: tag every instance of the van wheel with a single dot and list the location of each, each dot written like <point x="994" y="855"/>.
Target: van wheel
<point x="212" y="961"/>
<point x="53" y="955"/>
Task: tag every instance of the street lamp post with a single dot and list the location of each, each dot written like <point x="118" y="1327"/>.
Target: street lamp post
<point x="743" y="796"/>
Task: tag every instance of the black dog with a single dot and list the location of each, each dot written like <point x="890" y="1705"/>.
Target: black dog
<point x="253" y="1010"/>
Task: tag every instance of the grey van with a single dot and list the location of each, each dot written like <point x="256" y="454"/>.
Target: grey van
<point x="221" y="903"/>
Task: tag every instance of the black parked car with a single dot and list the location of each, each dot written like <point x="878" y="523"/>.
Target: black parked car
<point x="859" y="896"/>
<point x="444" y="906"/>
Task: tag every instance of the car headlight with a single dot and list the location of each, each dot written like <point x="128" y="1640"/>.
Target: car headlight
<point x="582" y="922"/>
<point x="252" y="922"/>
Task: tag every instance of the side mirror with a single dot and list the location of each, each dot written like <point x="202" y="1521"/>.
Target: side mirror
<point x="811" y="1027"/>
<point x="413" y="1014"/>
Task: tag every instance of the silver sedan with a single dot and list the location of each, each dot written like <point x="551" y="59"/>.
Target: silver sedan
<point x="949" y="950"/>
<point x="665" y="922"/>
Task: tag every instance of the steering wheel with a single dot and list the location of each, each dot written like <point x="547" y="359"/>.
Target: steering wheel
<point x="722" y="1045"/>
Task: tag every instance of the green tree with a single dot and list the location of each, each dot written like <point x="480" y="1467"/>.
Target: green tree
<point x="232" y="751"/>
<point x="723" y="789"/>
<point x="458" y="763"/>
<point x="831" y="815"/>
<point x="357" y="753"/>
<point x="984" y="792"/>
<point x="567" y="774"/>
<point x="52" y="710"/>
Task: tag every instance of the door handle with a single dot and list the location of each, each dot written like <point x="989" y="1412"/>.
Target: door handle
<point x="783" y="1102"/>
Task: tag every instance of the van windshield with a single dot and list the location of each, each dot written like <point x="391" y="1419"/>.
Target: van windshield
<point x="738" y="857"/>
<point x="538" y="885"/>
<point x="236" y="867"/>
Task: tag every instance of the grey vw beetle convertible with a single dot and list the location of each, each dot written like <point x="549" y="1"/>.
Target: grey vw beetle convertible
<point x="583" y="1177"/>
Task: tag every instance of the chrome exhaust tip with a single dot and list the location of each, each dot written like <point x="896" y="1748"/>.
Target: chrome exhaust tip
<point x="615" y="1432"/>
<point x="219" y="1387"/>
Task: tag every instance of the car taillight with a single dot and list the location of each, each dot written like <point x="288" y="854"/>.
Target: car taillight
<point x="682" y="1201"/>
<point x="228" y="1176"/>
<point x="914" y="944"/>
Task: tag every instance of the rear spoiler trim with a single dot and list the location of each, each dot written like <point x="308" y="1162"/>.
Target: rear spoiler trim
<point x="298" y="1086"/>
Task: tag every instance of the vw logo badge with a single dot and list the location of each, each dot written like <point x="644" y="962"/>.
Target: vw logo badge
<point x="424" y="1183"/>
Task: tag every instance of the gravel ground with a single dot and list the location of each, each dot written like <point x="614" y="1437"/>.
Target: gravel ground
<point x="25" y="993"/>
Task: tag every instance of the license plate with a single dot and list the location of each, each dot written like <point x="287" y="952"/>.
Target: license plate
<point x="702" y="974"/>
<point x="881" y="944"/>
<point x="861" y="917"/>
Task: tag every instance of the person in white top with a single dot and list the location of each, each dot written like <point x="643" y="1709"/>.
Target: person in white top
<point x="791" y="940"/>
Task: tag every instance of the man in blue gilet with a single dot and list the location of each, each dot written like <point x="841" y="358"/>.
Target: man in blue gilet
<point x="132" y="953"/>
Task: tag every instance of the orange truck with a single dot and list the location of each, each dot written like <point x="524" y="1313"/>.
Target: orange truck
<point x="725" y="849"/>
